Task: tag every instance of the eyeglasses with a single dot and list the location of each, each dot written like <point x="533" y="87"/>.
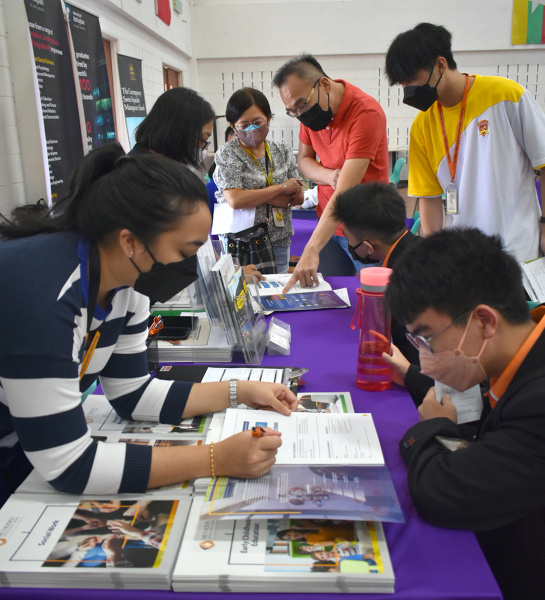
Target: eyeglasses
<point x="422" y="342"/>
<point x="257" y="123"/>
<point x="297" y="112"/>
<point x="204" y="145"/>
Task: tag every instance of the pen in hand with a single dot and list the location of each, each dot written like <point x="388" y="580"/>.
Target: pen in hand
<point x="258" y="432"/>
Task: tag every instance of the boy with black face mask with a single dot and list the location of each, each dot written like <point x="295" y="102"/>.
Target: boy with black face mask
<point x="462" y="299"/>
<point x="476" y="141"/>
<point x="345" y="129"/>
<point x="373" y="221"/>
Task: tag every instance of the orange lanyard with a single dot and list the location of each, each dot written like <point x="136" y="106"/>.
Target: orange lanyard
<point x="269" y="177"/>
<point x="452" y="163"/>
<point x="387" y="258"/>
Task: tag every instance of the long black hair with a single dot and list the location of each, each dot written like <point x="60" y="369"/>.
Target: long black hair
<point x="174" y="125"/>
<point x="145" y="194"/>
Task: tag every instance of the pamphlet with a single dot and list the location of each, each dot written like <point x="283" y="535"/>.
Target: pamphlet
<point x="356" y="493"/>
<point x="314" y="438"/>
<point x="251" y="555"/>
<point x="303" y="301"/>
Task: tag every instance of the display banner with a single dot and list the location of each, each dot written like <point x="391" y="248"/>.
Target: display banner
<point x="57" y="91"/>
<point x="132" y="92"/>
<point x="93" y="76"/>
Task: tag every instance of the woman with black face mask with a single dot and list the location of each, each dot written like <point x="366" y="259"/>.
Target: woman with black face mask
<point x="75" y="307"/>
<point x="257" y="178"/>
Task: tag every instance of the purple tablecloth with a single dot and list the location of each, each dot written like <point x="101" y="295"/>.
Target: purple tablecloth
<point x="429" y="563"/>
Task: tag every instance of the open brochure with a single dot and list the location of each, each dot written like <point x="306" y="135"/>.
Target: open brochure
<point x="314" y="438"/>
<point x="533" y="278"/>
<point x="284" y="555"/>
<point x="70" y="542"/>
<point x="107" y="425"/>
<point x="274" y="284"/>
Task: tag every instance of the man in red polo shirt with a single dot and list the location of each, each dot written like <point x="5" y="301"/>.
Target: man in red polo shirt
<point x="462" y="298"/>
<point x="342" y="142"/>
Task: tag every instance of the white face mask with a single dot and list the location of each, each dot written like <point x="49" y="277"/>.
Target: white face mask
<point x="204" y="154"/>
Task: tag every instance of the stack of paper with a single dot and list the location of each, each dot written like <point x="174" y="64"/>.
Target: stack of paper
<point x="251" y="555"/>
<point x="205" y="343"/>
<point x="70" y="542"/>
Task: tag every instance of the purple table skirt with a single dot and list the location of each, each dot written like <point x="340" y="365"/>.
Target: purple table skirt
<point x="429" y="563"/>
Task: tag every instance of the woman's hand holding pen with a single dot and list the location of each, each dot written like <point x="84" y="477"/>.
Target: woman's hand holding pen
<point x="259" y="394"/>
<point x="247" y="455"/>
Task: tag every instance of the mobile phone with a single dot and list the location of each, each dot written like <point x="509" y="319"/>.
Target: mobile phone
<point x="177" y="328"/>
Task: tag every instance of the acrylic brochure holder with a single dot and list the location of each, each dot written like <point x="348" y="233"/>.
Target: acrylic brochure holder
<point x="239" y="313"/>
<point x="228" y="325"/>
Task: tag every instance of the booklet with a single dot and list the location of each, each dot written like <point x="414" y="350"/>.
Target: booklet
<point x="353" y="493"/>
<point x="284" y="555"/>
<point x="65" y="541"/>
<point x="314" y="438"/>
<point x="274" y="284"/>
<point x="106" y="424"/>
<point x="533" y="278"/>
<point x="303" y="301"/>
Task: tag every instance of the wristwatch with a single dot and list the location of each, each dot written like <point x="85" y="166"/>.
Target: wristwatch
<point x="233" y="402"/>
<point x="542" y="220"/>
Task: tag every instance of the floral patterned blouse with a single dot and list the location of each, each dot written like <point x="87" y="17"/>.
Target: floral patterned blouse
<point x="236" y="169"/>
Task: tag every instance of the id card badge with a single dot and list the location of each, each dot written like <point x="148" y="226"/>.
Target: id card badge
<point x="278" y="217"/>
<point x="452" y="199"/>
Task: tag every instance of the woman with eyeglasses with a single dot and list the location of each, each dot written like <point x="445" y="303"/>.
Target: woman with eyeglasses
<point x="179" y="125"/>
<point x="258" y="176"/>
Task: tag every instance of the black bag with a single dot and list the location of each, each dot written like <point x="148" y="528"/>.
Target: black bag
<point x="253" y="246"/>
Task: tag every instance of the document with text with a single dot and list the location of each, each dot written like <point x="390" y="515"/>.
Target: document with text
<point x="314" y="438"/>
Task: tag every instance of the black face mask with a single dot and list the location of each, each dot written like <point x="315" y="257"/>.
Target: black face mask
<point x="366" y="260"/>
<point x="162" y="281"/>
<point x="421" y="96"/>
<point x="316" y="118"/>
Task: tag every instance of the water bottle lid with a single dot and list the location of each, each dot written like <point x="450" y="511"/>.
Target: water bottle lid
<point x="375" y="279"/>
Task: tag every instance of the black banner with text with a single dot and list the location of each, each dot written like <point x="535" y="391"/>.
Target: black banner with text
<point x="132" y="92"/>
<point x="93" y="76"/>
<point x="57" y="91"/>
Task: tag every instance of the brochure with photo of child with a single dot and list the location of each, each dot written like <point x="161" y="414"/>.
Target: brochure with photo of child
<point x="249" y="555"/>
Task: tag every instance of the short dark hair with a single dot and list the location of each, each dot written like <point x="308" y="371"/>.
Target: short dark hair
<point x="418" y="49"/>
<point x="452" y="272"/>
<point x="373" y="207"/>
<point x="146" y="194"/>
<point x="229" y="131"/>
<point x="241" y="101"/>
<point x="304" y="66"/>
<point x="174" y="125"/>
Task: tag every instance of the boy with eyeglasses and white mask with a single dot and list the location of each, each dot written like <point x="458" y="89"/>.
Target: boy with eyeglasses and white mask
<point x="462" y="299"/>
<point x="346" y="129"/>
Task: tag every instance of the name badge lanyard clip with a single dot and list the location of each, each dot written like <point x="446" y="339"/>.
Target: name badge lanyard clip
<point x="94" y="281"/>
<point x="279" y="215"/>
<point x="452" y="190"/>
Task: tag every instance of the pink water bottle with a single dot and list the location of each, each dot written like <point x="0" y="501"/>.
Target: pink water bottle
<point x="373" y="320"/>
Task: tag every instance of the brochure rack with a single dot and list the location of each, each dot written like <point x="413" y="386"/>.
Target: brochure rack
<point x="231" y="324"/>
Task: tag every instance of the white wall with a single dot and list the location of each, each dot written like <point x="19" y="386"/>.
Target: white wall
<point x="253" y="38"/>
<point x="133" y="30"/>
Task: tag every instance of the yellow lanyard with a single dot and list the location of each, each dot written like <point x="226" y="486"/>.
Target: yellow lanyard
<point x="89" y="353"/>
<point x="269" y="177"/>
